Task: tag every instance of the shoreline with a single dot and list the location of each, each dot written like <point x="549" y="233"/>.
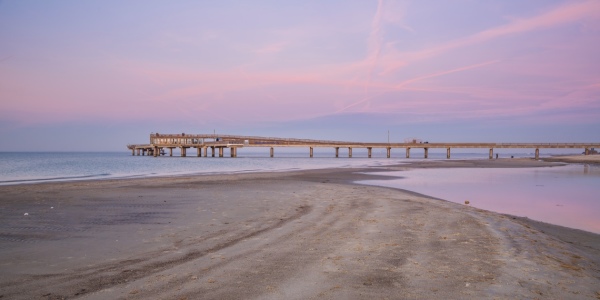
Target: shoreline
<point x="377" y="162"/>
<point x="582" y="159"/>
<point x="296" y="234"/>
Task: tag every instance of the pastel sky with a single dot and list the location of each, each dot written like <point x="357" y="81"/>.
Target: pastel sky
<point x="107" y="73"/>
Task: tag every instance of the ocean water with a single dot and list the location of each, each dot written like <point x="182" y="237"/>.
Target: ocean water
<point x="568" y="195"/>
<point x="565" y="195"/>
<point x="32" y="167"/>
<point x="19" y="168"/>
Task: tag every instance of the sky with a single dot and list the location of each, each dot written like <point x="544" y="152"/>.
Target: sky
<point x="97" y="75"/>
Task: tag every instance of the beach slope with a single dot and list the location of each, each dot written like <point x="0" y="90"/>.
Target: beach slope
<point x="292" y="235"/>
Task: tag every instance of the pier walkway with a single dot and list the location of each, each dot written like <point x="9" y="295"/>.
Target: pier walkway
<point x="218" y="143"/>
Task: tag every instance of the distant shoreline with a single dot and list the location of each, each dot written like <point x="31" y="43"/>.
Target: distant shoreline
<point x="587" y="159"/>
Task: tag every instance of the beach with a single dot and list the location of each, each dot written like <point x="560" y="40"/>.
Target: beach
<point x="309" y="234"/>
<point x="588" y="159"/>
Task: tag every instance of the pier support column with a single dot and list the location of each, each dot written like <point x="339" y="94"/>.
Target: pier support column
<point x="389" y="152"/>
<point x="198" y="151"/>
<point x="587" y="151"/>
<point x="448" y="153"/>
<point x="369" y="150"/>
<point x="232" y="152"/>
<point x="407" y="152"/>
<point x="183" y="152"/>
<point x="138" y="152"/>
<point x="426" y="152"/>
<point x="155" y="152"/>
<point x="170" y="151"/>
<point x="220" y="151"/>
<point x="133" y="152"/>
<point x="491" y="153"/>
<point x="337" y="152"/>
<point x="212" y="151"/>
<point x="349" y="152"/>
<point x="143" y="152"/>
<point x="311" y="152"/>
<point x="537" y="153"/>
<point x="272" y="152"/>
<point x="205" y="151"/>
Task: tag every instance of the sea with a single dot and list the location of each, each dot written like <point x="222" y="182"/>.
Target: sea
<point x="567" y="195"/>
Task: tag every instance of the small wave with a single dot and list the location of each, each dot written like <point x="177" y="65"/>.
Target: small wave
<point x="63" y="178"/>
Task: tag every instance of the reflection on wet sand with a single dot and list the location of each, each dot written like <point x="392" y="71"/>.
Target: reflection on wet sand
<point x="564" y="195"/>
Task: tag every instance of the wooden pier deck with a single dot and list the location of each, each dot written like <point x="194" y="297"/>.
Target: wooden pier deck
<point x="217" y="143"/>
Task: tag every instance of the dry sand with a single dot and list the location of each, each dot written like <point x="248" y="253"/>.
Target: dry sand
<point x="292" y="235"/>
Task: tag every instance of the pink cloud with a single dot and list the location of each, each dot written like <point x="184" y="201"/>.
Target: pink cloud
<point x="568" y="13"/>
<point x="272" y="48"/>
<point x="401" y="85"/>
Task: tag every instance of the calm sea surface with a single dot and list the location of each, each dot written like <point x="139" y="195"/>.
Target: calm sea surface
<point x="30" y="167"/>
<point x="568" y="196"/>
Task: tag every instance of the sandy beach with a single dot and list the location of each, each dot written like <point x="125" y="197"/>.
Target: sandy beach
<point x="281" y="235"/>
<point x="585" y="159"/>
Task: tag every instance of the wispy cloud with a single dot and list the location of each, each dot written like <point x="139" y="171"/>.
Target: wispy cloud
<point x="401" y="85"/>
<point x="567" y="13"/>
<point x="272" y="48"/>
<point x="379" y="56"/>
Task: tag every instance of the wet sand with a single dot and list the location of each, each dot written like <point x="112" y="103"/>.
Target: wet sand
<point x="287" y="235"/>
<point x="585" y="159"/>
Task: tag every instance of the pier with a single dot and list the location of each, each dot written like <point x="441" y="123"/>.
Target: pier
<point x="217" y="145"/>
